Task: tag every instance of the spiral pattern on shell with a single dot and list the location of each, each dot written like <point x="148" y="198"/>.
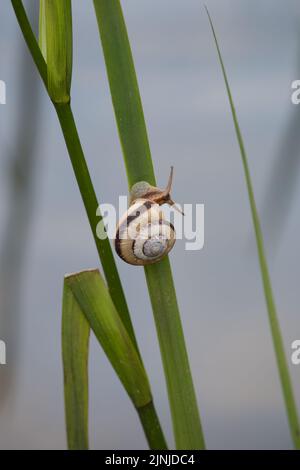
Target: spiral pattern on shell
<point x="143" y="235"/>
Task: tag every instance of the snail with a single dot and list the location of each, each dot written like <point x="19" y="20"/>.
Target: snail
<point x="143" y="236"/>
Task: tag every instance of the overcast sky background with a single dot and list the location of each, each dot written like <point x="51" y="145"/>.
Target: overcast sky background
<point x="219" y="288"/>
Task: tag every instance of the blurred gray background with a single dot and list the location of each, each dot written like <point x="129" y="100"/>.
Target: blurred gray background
<point x="219" y="288"/>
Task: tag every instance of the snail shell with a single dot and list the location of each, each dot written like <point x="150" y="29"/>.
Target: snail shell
<point x="143" y="235"/>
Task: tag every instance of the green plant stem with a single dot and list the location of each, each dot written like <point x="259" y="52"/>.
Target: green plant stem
<point x="151" y="426"/>
<point x="133" y="135"/>
<point x="66" y="119"/>
<point x="68" y="126"/>
<point x="64" y="113"/>
<point x="274" y="324"/>
<point x="30" y="39"/>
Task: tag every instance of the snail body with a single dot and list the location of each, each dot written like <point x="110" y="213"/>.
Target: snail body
<point x="143" y="235"/>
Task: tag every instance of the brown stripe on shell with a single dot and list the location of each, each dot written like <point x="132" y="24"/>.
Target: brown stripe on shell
<point x="166" y="222"/>
<point x="118" y="245"/>
<point x="118" y="241"/>
<point x="137" y="213"/>
<point x="130" y="218"/>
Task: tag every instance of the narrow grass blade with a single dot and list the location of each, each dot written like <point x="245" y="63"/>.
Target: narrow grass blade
<point x="94" y="301"/>
<point x="274" y="324"/>
<point x="75" y="351"/>
<point x="125" y="92"/>
<point x="133" y="135"/>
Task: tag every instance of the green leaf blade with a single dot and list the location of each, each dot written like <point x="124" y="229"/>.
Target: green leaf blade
<point x="183" y="401"/>
<point x="125" y="91"/>
<point x="95" y="302"/>
<point x="92" y="297"/>
<point x="134" y="141"/>
<point x="282" y="364"/>
<point x="75" y="351"/>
